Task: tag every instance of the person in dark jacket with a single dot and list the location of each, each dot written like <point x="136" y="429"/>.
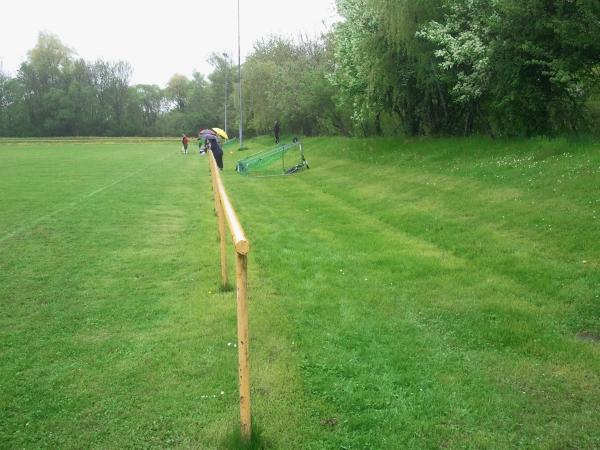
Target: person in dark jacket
<point x="217" y="151"/>
<point x="276" y="131"/>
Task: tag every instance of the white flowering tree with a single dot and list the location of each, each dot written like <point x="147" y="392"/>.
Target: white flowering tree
<point x="463" y="50"/>
<point x="462" y="45"/>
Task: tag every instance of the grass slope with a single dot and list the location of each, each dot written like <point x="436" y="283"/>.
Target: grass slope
<point x="404" y="294"/>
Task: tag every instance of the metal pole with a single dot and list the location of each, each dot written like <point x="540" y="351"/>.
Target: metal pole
<point x="240" y="77"/>
<point x="226" y="87"/>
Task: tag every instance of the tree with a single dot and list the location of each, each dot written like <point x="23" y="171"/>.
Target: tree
<point x="14" y="119"/>
<point x="4" y="101"/>
<point x="177" y="91"/>
<point x="43" y="78"/>
<point x="220" y="88"/>
<point x="463" y="48"/>
<point x="383" y="70"/>
<point x="544" y="69"/>
<point x="151" y="102"/>
<point x="286" y="80"/>
<point x="517" y="75"/>
<point x="203" y="95"/>
<point x="118" y="95"/>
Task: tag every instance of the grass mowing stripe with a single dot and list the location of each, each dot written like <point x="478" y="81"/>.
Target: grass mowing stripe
<point x="85" y="198"/>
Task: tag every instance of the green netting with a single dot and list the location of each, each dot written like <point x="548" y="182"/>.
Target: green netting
<point x="280" y="160"/>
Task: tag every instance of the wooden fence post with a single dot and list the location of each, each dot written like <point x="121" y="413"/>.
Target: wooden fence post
<point x="243" y="354"/>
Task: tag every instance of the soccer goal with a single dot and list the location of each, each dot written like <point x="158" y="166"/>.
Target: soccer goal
<point x="284" y="159"/>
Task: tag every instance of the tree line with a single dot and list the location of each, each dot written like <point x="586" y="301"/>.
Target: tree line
<point x="54" y="93"/>
<point x="427" y="67"/>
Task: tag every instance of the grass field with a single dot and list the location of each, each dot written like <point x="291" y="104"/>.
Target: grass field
<point x="403" y="294"/>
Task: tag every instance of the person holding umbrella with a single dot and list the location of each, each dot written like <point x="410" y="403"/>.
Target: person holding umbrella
<point x="220" y="133"/>
<point x="217" y="151"/>
<point x="213" y="144"/>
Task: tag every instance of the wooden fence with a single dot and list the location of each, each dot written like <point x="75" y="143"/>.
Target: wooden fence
<point x="226" y="214"/>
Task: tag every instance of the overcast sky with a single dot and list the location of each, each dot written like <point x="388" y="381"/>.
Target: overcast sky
<point x="158" y="38"/>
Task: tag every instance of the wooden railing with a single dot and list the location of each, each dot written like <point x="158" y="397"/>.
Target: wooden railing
<point x="226" y="213"/>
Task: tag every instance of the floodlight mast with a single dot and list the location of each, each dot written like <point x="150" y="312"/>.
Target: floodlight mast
<point x="240" y="77"/>
<point x="226" y="56"/>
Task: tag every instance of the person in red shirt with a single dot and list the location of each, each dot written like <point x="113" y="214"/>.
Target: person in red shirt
<point x="184" y="141"/>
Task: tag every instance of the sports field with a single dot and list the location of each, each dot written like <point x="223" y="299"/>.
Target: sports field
<point x="403" y="294"/>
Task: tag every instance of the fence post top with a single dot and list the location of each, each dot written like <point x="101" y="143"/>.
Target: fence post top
<point x="242" y="247"/>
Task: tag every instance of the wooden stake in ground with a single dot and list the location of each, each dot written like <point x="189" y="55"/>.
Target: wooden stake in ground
<point x="243" y="355"/>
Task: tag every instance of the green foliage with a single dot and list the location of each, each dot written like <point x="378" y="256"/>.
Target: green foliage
<point x="13" y="115"/>
<point x="462" y="46"/>
<point x="383" y="69"/>
<point x="468" y="65"/>
<point x="286" y="80"/>
<point x="178" y="91"/>
<point x="151" y="103"/>
<point x="544" y="69"/>
<point x="352" y="51"/>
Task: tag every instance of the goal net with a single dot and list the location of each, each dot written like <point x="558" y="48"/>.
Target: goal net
<point x="284" y="159"/>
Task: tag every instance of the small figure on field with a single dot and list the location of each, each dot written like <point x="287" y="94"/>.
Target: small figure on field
<point x="184" y="141"/>
<point x="217" y="151"/>
<point x="276" y="131"/>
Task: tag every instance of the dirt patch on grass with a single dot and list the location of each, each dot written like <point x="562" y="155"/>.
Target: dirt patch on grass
<point x="588" y="336"/>
<point x="330" y="422"/>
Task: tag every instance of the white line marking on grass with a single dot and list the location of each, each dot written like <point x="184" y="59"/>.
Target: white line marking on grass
<point x="33" y="223"/>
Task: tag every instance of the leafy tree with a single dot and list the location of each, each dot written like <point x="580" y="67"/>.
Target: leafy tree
<point x="43" y="76"/>
<point x="286" y="80"/>
<point x="354" y="42"/>
<point x="219" y="89"/>
<point x="463" y="48"/>
<point x="151" y="104"/>
<point x="177" y="91"/>
<point x="517" y="75"/>
<point x="544" y="69"/>
<point x="14" y="118"/>
<point x="383" y="69"/>
<point x="118" y="95"/>
<point x="4" y="101"/>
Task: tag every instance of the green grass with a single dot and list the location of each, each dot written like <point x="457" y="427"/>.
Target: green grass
<point x="403" y="294"/>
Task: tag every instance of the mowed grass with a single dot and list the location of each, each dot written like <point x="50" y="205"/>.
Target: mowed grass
<point x="403" y="294"/>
